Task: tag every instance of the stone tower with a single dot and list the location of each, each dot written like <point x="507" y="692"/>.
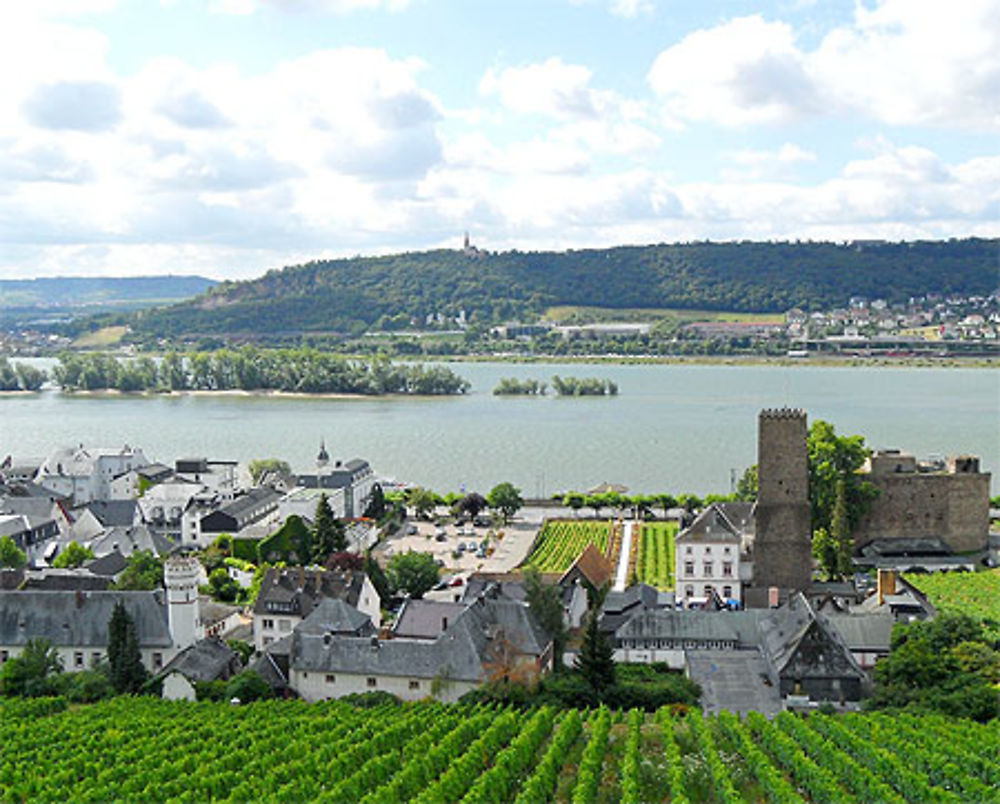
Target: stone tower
<point x="782" y="555"/>
<point x="180" y="576"/>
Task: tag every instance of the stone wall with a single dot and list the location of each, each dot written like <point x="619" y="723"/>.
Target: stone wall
<point x="952" y="507"/>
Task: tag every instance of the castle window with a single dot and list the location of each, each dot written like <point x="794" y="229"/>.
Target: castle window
<point x="331" y="679"/>
<point x="372" y="682"/>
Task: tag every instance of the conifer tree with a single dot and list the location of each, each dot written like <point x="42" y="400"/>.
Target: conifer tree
<point x="127" y="672"/>
<point x="595" y="661"/>
<point x="328" y="532"/>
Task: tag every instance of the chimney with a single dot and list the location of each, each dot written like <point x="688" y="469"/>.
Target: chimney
<point x="773" y="597"/>
<point x="886" y="584"/>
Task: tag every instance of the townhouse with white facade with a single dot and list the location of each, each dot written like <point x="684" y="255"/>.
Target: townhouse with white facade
<point x="708" y="552"/>
<point x="84" y="474"/>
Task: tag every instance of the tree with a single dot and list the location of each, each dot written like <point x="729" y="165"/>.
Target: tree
<point x="73" y="556"/>
<point x="29" y="377"/>
<point x="376" y="503"/>
<point x="30" y="674"/>
<point x="545" y="602"/>
<point x="413" y="573"/>
<point x="595" y="661"/>
<point x="328" y="532"/>
<point x="247" y="686"/>
<point x="832" y="459"/>
<point x="11" y="556"/>
<point x="258" y="468"/>
<point x="746" y="487"/>
<point x="575" y="500"/>
<point x="472" y="504"/>
<point x="143" y="572"/>
<point x="421" y="501"/>
<point x="125" y="662"/>
<point x="666" y="502"/>
<point x="222" y="587"/>
<point x="378" y="578"/>
<point x="506" y="499"/>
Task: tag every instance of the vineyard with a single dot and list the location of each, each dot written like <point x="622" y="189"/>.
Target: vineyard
<point x="152" y="750"/>
<point x="974" y="593"/>
<point x="656" y="554"/>
<point x="562" y="540"/>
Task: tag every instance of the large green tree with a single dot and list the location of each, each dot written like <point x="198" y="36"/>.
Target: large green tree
<point x="412" y="572"/>
<point x="595" y="661"/>
<point x="505" y="498"/>
<point x="263" y="465"/>
<point x="31" y="673"/>
<point x="11" y="556"/>
<point x="74" y="555"/>
<point x="124" y="658"/>
<point x="143" y="572"/>
<point x="834" y="459"/>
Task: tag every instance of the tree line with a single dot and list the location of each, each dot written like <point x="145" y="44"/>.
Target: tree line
<point x="563" y="386"/>
<point x="20" y="376"/>
<point x="251" y="369"/>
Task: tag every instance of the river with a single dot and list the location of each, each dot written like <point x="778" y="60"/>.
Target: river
<point x="672" y="427"/>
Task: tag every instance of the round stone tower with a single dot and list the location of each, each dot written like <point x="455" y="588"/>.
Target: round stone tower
<point x="180" y="576"/>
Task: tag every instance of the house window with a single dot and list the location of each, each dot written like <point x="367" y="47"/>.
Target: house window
<point x="708" y="550"/>
<point x="707" y="568"/>
<point x="3" y="656"/>
<point x="157" y="661"/>
<point x="78" y="658"/>
<point x="372" y="682"/>
<point x="331" y="679"/>
<point x="95" y="657"/>
<point x="267" y="624"/>
<point x="688" y="551"/>
<point x="414" y="685"/>
<point x="727" y="592"/>
<point x="689" y="591"/>
<point x="284" y="626"/>
<point x="708" y="590"/>
<point x="727" y="569"/>
<point x="726" y="551"/>
<point x="689" y="568"/>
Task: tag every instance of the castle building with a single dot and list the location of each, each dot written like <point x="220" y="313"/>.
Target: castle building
<point x="782" y="548"/>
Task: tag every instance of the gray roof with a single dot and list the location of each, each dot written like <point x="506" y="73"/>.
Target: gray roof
<point x="297" y="591"/>
<point x="247" y="502"/>
<point x="212" y="611"/>
<point x="51" y="579"/>
<point x="735" y="681"/>
<point x="508" y="587"/>
<point x="334" y="616"/>
<point x="720" y="522"/>
<point x="129" y="540"/>
<point x="80" y="619"/>
<point x="108" y="565"/>
<point x="458" y="654"/>
<point x="425" y="619"/>
<point x="700" y="626"/>
<point x="868" y="632"/>
<point x="38" y="510"/>
<point x="205" y="660"/>
<point x="113" y="513"/>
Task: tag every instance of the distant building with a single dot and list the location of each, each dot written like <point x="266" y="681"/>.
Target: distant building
<point x="349" y="483"/>
<point x="86" y="474"/>
<point x="708" y="552"/>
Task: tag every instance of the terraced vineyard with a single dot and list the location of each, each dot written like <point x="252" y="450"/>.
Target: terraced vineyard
<point x="656" y="554"/>
<point x="562" y="540"/>
<point x="974" y="593"/>
<point x="151" y="750"/>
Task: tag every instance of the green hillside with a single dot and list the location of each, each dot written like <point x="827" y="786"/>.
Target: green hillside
<point x="358" y="294"/>
<point x="66" y="291"/>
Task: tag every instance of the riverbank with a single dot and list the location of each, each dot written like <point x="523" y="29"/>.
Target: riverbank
<point x="263" y="393"/>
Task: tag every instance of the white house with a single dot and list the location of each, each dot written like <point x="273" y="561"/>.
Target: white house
<point x="708" y="552"/>
<point x="218" y="477"/>
<point x="354" y="479"/>
<point x="85" y="474"/>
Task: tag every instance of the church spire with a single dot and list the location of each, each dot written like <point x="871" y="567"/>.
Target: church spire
<point x="323" y="458"/>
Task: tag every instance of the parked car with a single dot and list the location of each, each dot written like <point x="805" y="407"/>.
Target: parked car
<point x="411" y="530"/>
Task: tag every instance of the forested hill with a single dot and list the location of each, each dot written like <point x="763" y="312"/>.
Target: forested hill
<point x="351" y="295"/>
<point x="67" y="291"/>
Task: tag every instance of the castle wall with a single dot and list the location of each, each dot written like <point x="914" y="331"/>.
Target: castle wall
<point x="952" y="507"/>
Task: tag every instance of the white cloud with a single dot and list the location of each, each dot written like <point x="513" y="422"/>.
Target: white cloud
<point x="551" y="88"/>
<point x="750" y="163"/>
<point x="901" y="62"/>
<point x="339" y="7"/>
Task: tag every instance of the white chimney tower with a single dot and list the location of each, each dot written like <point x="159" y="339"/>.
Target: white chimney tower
<point x="180" y="575"/>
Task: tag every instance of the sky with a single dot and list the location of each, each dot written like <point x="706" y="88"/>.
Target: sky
<point x="229" y="137"/>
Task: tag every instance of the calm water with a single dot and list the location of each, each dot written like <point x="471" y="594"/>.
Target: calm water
<point x="675" y="428"/>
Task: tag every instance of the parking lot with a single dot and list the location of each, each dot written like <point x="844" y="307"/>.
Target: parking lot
<point x="507" y="544"/>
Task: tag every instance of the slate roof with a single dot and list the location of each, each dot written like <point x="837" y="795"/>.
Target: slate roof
<point x="425" y="619"/>
<point x="297" y="591"/>
<point x="205" y="660"/>
<point x="54" y="580"/>
<point x="11" y="579"/>
<point x="108" y="565"/>
<point x="129" y="540"/>
<point x="80" y="619"/>
<point x="864" y="632"/>
<point x="334" y="616"/>
<point x="720" y="522"/>
<point x="735" y="681"/>
<point x="508" y="585"/>
<point x="697" y="626"/>
<point x="212" y="611"/>
<point x="37" y="510"/>
<point x="458" y="654"/>
<point x="249" y="501"/>
<point x="113" y="513"/>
